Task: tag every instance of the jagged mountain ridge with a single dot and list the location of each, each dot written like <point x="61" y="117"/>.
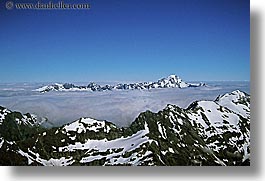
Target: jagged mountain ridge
<point x="206" y="133"/>
<point x="171" y="81"/>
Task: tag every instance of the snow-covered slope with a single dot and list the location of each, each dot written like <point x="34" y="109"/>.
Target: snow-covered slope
<point x="206" y="133"/>
<point x="237" y="101"/>
<point x="171" y="81"/>
<point x="26" y="120"/>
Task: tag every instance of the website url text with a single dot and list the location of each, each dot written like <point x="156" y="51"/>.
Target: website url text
<point x="47" y="6"/>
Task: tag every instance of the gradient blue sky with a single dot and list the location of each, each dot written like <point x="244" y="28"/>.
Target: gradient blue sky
<point x="127" y="40"/>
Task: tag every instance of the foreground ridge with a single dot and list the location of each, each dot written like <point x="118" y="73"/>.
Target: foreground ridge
<point x="206" y="133"/>
<point x="171" y="81"/>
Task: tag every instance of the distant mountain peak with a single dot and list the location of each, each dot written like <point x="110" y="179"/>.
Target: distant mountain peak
<point x="172" y="81"/>
<point x="174" y="77"/>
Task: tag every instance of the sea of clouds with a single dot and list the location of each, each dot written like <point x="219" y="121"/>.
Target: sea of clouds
<point x="118" y="106"/>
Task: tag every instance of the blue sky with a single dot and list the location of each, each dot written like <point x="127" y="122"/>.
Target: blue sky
<point x="127" y="40"/>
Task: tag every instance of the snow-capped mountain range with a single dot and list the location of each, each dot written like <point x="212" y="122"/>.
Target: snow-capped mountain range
<point x="206" y="133"/>
<point x="171" y="81"/>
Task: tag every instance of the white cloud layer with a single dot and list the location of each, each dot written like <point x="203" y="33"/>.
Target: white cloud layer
<point x="119" y="107"/>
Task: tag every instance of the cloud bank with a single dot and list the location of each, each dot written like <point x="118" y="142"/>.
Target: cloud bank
<point x="119" y="107"/>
